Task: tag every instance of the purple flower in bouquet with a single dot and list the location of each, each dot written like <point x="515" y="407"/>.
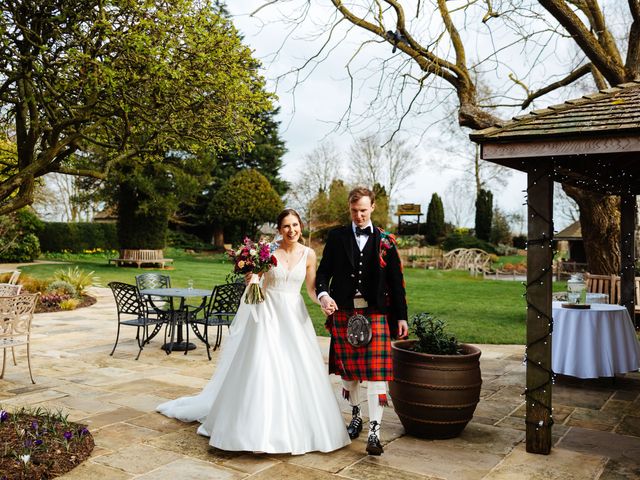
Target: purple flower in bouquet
<point x="254" y="258"/>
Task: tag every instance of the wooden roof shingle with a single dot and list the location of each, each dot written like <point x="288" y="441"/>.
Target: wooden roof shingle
<point x="593" y="141"/>
<point x="612" y="111"/>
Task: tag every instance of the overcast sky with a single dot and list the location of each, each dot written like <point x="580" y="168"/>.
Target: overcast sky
<point x="309" y="115"/>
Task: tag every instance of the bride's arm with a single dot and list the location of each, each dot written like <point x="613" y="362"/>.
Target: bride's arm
<point x="310" y="279"/>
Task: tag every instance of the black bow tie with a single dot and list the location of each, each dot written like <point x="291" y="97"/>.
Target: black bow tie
<point x="363" y="231"/>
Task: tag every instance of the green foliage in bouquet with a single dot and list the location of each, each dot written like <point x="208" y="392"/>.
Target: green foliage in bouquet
<point x="431" y="335"/>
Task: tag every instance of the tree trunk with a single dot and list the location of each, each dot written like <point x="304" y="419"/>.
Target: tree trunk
<point x="218" y="236"/>
<point x="600" y="225"/>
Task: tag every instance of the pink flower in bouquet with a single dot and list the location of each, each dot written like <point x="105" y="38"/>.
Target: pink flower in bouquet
<point x="253" y="258"/>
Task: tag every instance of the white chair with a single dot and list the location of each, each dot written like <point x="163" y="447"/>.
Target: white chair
<point x="9" y="290"/>
<point x="16" y="314"/>
<point x="14" y="277"/>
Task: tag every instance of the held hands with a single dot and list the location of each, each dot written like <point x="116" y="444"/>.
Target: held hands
<point x="403" y="329"/>
<point x="328" y="305"/>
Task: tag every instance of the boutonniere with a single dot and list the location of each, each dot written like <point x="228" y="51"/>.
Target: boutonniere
<point x="387" y="242"/>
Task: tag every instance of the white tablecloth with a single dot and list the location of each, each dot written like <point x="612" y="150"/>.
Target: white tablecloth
<point x="598" y="342"/>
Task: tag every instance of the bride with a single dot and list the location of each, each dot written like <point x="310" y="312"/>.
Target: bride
<point x="270" y="391"/>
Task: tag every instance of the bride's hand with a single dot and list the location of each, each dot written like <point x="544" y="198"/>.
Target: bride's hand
<point x="247" y="277"/>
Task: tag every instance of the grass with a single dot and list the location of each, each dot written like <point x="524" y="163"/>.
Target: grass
<point x="476" y="310"/>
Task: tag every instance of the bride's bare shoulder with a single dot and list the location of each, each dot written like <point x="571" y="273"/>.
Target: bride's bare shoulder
<point x="311" y="254"/>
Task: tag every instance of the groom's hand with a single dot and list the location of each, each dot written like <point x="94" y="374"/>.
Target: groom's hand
<point x="403" y="329"/>
<point x="328" y="305"/>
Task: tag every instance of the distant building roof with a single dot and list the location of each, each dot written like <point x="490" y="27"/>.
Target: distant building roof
<point x="572" y="232"/>
<point x="109" y="214"/>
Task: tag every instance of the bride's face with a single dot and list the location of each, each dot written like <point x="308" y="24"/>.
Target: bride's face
<point x="290" y="229"/>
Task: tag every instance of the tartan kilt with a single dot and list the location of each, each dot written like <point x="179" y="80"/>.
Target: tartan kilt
<point x="370" y="362"/>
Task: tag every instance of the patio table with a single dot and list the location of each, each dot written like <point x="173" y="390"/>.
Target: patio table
<point x="596" y="342"/>
<point x="177" y="313"/>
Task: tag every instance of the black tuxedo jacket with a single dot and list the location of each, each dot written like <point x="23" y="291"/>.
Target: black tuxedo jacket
<point x="336" y="275"/>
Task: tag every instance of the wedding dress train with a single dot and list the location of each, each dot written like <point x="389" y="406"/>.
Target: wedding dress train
<point x="270" y="391"/>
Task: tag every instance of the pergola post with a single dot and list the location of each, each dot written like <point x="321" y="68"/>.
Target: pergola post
<point x="627" y="252"/>
<point x="539" y="280"/>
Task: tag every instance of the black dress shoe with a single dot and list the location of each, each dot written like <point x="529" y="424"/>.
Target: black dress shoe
<point x="374" y="447"/>
<point x="355" y="426"/>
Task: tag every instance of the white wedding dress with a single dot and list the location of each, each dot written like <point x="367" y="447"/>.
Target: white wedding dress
<point x="271" y="390"/>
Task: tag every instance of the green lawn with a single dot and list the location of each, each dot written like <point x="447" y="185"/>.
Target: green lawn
<point x="476" y="310"/>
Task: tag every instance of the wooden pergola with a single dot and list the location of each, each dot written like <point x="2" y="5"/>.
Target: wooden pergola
<point x="593" y="143"/>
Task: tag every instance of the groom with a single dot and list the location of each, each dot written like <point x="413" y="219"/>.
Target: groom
<point x="360" y="273"/>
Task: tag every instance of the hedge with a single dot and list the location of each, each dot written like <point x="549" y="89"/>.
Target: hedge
<point x="78" y="237"/>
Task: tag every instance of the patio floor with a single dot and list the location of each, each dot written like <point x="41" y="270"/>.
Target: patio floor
<point x="596" y="431"/>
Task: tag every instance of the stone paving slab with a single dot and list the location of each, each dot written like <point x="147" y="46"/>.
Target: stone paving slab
<point x="559" y="465"/>
<point x="188" y="468"/>
<point x="137" y="459"/>
<point x="614" y="446"/>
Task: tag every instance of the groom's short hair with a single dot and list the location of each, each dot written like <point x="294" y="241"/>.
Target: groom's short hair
<point x="359" y="192"/>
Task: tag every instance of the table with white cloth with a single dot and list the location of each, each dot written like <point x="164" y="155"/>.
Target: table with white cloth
<point x="596" y="342"/>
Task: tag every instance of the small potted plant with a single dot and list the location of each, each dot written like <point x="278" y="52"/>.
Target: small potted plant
<point x="437" y="380"/>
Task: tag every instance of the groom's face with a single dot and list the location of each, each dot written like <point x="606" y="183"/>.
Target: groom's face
<point x="361" y="211"/>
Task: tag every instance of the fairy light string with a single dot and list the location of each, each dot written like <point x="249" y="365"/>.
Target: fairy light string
<point x="532" y="395"/>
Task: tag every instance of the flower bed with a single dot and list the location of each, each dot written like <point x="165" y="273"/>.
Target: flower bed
<point x="38" y="444"/>
<point x="84" y="301"/>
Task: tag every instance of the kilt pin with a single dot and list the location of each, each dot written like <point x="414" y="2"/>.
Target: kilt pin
<point x="371" y="270"/>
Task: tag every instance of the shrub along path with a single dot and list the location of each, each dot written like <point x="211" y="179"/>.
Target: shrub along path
<point x="596" y="431"/>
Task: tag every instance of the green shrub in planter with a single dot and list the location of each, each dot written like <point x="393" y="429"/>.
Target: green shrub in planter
<point x="432" y="337"/>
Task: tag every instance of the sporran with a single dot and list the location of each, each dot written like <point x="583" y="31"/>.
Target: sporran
<point x="359" y="331"/>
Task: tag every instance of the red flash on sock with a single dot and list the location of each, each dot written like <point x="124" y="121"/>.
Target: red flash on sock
<point x="382" y="400"/>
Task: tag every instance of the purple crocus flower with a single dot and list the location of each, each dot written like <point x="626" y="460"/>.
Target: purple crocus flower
<point x="83" y="431"/>
<point x="38" y="442"/>
<point x="4" y="415"/>
<point x="28" y="443"/>
<point x="67" y="435"/>
<point x="34" y="425"/>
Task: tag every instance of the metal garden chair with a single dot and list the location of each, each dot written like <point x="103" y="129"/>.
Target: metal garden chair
<point x="16" y="314"/>
<point x="130" y="302"/>
<point x="155" y="305"/>
<point x="219" y="312"/>
<point x="9" y="290"/>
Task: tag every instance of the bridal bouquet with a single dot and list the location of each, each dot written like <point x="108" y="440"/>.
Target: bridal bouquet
<point x="254" y="258"/>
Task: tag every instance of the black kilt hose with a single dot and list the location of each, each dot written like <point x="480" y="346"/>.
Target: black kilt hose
<point x="370" y="362"/>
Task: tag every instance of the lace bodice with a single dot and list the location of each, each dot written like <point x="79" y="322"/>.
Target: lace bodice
<point x="281" y="279"/>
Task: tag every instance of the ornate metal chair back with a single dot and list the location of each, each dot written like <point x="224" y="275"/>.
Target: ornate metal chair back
<point x="9" y="290"/>
<point x="153" y="280"/>
<point x="128" y="299"/>
<point x="225" y="299"/>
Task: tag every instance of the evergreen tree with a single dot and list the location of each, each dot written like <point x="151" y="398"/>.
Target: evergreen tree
<point x="484" y="211"/>
<point x="435" y="221"/>
<point x="244" y="202"/>
<point x="500" y="229"/>
<point x="265" y="157"/>
<point x="380" y="216"/>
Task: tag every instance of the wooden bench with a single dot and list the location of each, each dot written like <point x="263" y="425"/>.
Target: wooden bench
<point x="141" y="257"/>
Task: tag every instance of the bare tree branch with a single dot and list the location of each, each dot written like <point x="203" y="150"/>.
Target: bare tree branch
<point x="572" y="77"/>
<point x="604" y="60"/>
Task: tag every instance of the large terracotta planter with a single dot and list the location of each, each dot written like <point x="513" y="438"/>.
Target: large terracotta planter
<point x="435" y="395"/>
